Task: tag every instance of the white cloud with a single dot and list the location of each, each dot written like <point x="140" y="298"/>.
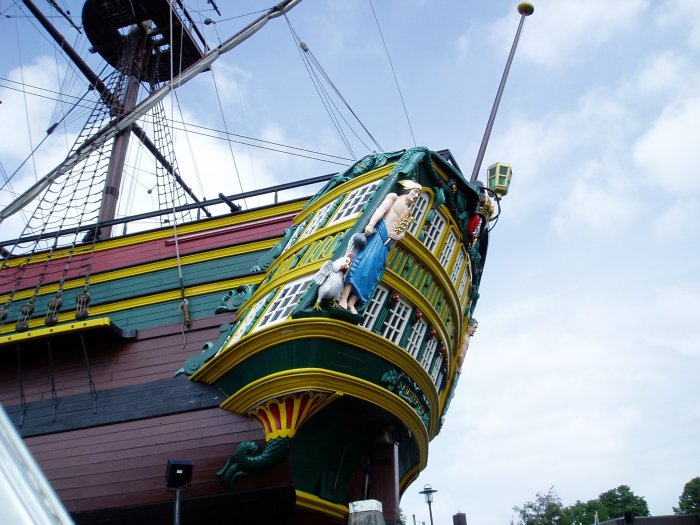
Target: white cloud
<point x="683" y="16"/>
<point x="667" y="153"/>
<point x="663" y="73"/>
<point x="28" y="114"/>
<point x="558" y="395"/>
<point x="231" y="83"/>
<point x="678" y="222"/>
<point x="463" y="46"/>
<point x="564" y="32"/>
<point x="598" y="201"/>
<point x="675" y="327"/>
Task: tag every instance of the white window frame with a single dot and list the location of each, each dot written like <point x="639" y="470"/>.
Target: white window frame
<point x="414" y="340"/>
<point x="448" y="249"/>
<point x="354" y="202"/>
<point x="433" y="231"/>
<point x="317" y="220"/>
<point x="295" y="236"/>
<point x="436" y="367"/>
<point x="461" y="289"/>
<point x="429" y="353"/>
<point x="374" y="307"/>
<point x="247" y="321"/>
<point x="396" y="321"/>
<point x="420" y="206"/>
<point x="283" y="303"/>
<point x="440" y="374"/>
<point x="457" y="268"/>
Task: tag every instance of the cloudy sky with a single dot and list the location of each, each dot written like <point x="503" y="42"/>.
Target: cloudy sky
<point x="583" y="374"/>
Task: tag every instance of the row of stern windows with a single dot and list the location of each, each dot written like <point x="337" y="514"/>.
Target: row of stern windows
<point x="387" y="315"/>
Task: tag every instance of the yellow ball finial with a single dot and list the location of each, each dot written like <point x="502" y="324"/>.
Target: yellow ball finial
<point x="526" y="8"/>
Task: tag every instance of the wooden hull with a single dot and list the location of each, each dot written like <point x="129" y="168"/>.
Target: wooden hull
<point x="106" y="457"/>
<point x="285" y="422"/>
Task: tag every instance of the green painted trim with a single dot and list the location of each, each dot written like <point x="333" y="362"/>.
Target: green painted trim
<point x="130" y="306"/>
<point x="170" y="263"/>
<point x="239" y="356"/>
<point x="304" y="379"/>
<point x="313" y="328"/>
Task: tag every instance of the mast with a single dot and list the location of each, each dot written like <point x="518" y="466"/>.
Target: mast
<point x="110" y="196"/>
<point x="128" y="120"/>
<point x="107" y="96"/>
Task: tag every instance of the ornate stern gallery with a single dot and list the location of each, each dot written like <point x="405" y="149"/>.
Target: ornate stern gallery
<point x="352" y="399"/>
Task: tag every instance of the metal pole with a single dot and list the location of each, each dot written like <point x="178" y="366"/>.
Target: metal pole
<point x="525" y="9"/>
<point x="177" y="507"/>
<point x="430" y="511"/>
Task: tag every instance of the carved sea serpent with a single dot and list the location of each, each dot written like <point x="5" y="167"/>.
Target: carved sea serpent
<point x="249" y="459"/>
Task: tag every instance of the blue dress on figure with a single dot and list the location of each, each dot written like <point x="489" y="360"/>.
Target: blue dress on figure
<point x="368" y="265"/>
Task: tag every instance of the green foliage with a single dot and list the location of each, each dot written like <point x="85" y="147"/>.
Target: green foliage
<point x="583" y="513"/>
<point x="689" y="500"/>
<point x="547" y="509"/>
<point x="402" y="517"/>
<point x="622" y="499"/>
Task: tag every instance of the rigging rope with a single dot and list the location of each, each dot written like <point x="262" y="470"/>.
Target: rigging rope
<point x="184" y="304"/>
<point x="306" y="50"/>
<point x="49" y="132"/>
<point x="26" y="111"/>
<point x="313" y="65"/>
<point x="214" y="133"/>
<point x="189" y="143"/>
<point x="73" y="199"/>
<point x="223" y="118"/>
<point x="319" y="89"/>
<point x="396" y="80"/>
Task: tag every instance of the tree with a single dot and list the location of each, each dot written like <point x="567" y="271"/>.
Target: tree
<point x="581" y="513"/>
<point x="689" y="500"/>
<point x="545" y="510"/>
<point x="622" y="499"/>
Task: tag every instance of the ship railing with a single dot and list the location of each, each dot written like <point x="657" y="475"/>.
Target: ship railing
<point x="224" y="205"/>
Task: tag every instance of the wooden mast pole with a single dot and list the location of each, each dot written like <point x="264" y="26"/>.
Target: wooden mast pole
<point x="110" y="195"/>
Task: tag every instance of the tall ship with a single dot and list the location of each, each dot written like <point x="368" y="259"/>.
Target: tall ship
<point x="267" y="364"/>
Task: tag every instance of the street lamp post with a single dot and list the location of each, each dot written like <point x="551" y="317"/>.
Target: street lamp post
<point x="428" y="492"/>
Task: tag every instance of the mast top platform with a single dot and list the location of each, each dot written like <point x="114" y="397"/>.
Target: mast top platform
<point x="107" y="22"/>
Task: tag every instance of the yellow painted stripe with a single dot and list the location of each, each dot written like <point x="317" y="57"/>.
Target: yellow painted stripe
<point x="149" y="300"/>
<point x="90" y="324"/>
<point x="313" y="503"/>
<point x="409" y="477"/>
<point x="141" y="269"/>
